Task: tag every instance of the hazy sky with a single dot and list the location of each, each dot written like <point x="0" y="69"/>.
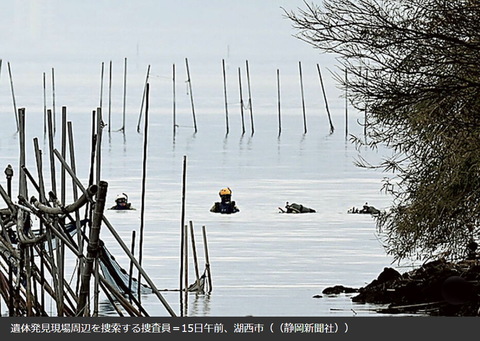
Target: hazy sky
<point x="100" y="29"/>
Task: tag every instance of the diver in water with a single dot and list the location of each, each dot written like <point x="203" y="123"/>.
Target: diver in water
<point x="226" y="205"/>
<point x="121" y="203"/>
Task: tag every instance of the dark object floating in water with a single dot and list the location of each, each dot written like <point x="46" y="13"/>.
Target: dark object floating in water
<point x="365" y="210"/>
<point x="121" y="203"/>
<point x="296" y="208"/>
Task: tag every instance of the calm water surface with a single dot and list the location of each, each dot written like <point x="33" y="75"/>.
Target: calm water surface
<point x="263" y="263"/>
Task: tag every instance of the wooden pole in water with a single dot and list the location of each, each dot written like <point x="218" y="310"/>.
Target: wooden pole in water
<point x="303" y="98"/>
<point x="130" y="273"/>
<point x="143" y="99"/>
<point x="279" y="106"/>
<point x="207" y="260"/>
<point x="189" y="81"/>
<point x="22" y="177"/>
<point x="186" y="267"/>
<point x="53" y="101"/>
<point x="93" y="248"/>
<point x="144" y="179"/>
<point x="50" y="152"/>
<point x="332" y="128"/>
<point x="346" y="104"/>
<point x="110" y="98"/>
<point x="174" y="103"/>
<point x="101" y="85"/>
<point x="194" y="251"/>
<point x="44" y="104"/>
<point x="117" y="238"/>
<point x="38" y="158"/>
<point x="182" y="222"/>
<point x="75" y="197"/>
<point x="124" y="94"/>
<point x="98" y="152"/>
<point x="241" y="99"/>
<point x="64" y="153"/>
<point x="249" y="96"/>
<point x="13" y="96"/>
<point x="225" y="95"/>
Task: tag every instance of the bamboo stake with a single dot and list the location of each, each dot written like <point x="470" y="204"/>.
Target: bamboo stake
<point x="225" y="95"/>
<point x="101" y="85"/>
<point x="38" y="158"/>
<point x="241" y="99"/>
<point x="124" y="94"/>
<point x="96" y="290"/>
<point x="303" y="98"/>
<point x="144" y="179"/>
<point x="22" y="178"/>
<point x="346" y="104"/>
<point x="13" y="96"/>
<point x="110" y="98"/>
<point x="207" y="260"/>
<point x="332" y="129"/>
<point x="64" y="152"/>
<point x="130" y="273"/>
<point x="93" y="247"/>
<point x="98" y="152"/>
<point x="75" y="198"/>
<point x="249" y="97"/>
<point x="189" y="81"/>
<point x="53" y="101"/>
<point x="174" y="104"/>
<point x="278" y="96"/>
<point x="186" y="269"/>
<point x="50" y="144"/>
<point x="44" y="104"/>
<point x="143" y="98"/>
<point x="194" y="251"/>
<point x="117" y="237"/>
<point x="182" y="222"/>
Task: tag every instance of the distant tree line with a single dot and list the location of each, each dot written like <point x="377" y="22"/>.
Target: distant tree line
<point x="413" y="67"/>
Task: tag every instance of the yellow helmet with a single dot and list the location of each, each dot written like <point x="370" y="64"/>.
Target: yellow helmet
<point x="225" y="191"/>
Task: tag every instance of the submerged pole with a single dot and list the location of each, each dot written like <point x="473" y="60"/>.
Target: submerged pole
<point x="13" y="96"/>
<point x="182" y="222"/>
<point x="124" y="94"/>
<point x="189" y="81"/>
<point x="144" y="179"/>
<point x="93" y="249"/>
<point x="110" y="97"/>
<point x="332" y="128"/>
<point x="101" y="85"/>
<point x="249" y="96"/>
<point x="195" y="261"/>
<point x="53" y="101"/>
<point x="346" y="104"/>
<point x="279" y="106"/>
<point x="44" y="104"/>
<point x="174" y="109"/>
<point x="143" y="98"/>
<point x="241" y="99"/>
<point x="225" y="95"/>
<point x="207" y="260"/>
<point x="303" y="98"/>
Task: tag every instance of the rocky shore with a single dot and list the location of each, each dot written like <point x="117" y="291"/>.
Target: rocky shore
<point x="437" y="288"/>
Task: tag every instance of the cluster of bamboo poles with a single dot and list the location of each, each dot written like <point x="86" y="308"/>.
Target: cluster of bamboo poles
<point x="244" y="104"/>
<point x="33" y="257"/>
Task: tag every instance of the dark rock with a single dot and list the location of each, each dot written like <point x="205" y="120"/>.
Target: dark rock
<point x="436" y="288"/>
<point x="338" y="289"/>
